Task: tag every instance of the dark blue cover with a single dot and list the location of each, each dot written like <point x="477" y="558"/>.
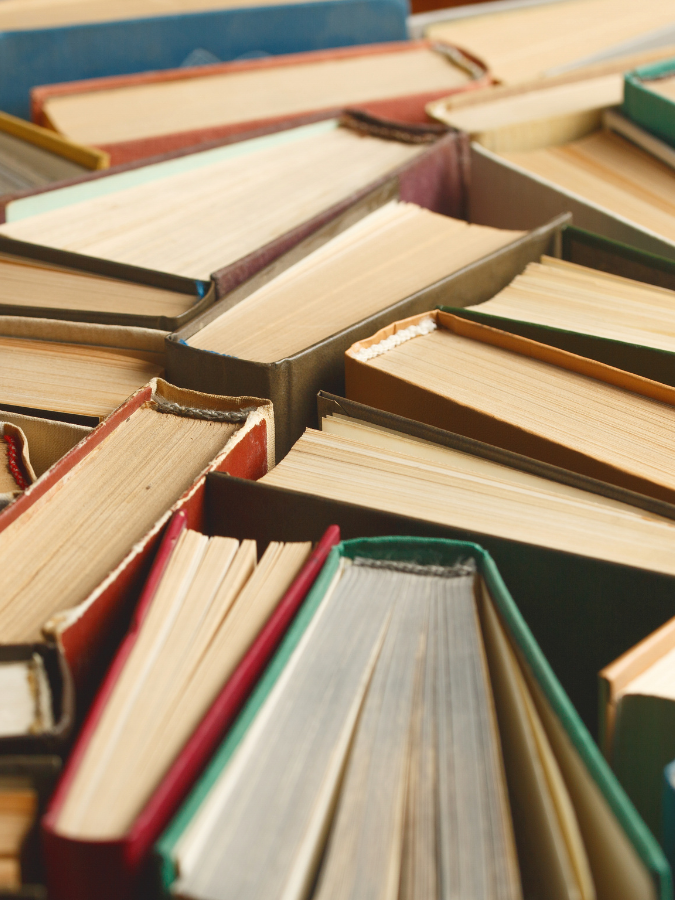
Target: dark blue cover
<point x="52" y="55"/>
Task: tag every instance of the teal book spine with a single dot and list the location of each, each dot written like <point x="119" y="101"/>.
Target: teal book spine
<point x="649" y="110"/>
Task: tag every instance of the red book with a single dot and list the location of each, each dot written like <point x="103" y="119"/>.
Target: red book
<point x="111" y="869"/>
<point x="406" y="108"/>
<point x="87" y="633"/>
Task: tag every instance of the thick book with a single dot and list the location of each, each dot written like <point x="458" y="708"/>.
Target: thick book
<point x="45" y="283"/>
<point x="74" y="863"/>
<point x="75" y="371"/>
<point x="560" y="38"/>
<point x="291" y="377"/>
<point x="305" y="178"/>
<point x="26" y="784"/>
<point x="138" y="116"/>
<point x="85" y="580"/>
<point x="534" y="115"/>
<point x="103" y="41"/>
<point x="33" y="156"/>
<point x="637" y="711"/>
<point x="598" y="807"/>
<point x="618" y="319"/>
<point x="512" y="397"/>
<point x="649" y="99"/>
<point x="508" y="192"/>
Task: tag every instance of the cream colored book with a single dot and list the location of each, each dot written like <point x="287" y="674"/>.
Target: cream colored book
<point x="613" y="173"/>
<point x="665" y="87"/>
<point x="537" y="118"/>
<point x="521" y="44"/>
<point x="18" y="812"/>
<point x="27" y="284"/>
<point x="560" y="294"/>
<point x="210" y="604"/>
<point x="321" y="781"/>
<point x="523" y="396"/>
<point x="74" y="535"/>
<point x="196" y="222"/>
<point x="30" y="14"/>
<point x="387" y="256"/>
<point x="76" y="379"/>
<point x="362" y="464"/>
<point x="149" y="109"/>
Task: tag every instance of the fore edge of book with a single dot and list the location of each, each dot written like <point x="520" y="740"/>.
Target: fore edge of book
<point x="165" y="855"/>
<point x="360" y="352"/>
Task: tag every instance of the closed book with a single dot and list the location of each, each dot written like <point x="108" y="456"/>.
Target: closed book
<point x="292" y="380"/>
<point x="74" y="866"/>
<point x="45" y="283"/>
<point x="500" y="408"/>
<point x="139" y="116"/>
<point x="557" y="41"/>
<point x="649" y="99"/>
<point x="286" y="172"/>
<point x="608" y="825"/>
<point x="623" y="338"/>
<point x="85" y="617"/>
<point x="514" y="191"/>
<point x="26" y="784"/>
<point x="48" y="43"/>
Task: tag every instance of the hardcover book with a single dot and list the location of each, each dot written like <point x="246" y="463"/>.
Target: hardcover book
<point x="44" y="43"/>
<point x="600" y="816"/>
<point x="83" y="579"/>
<point x="139" y="116"/>
<point x="198" y="695"/>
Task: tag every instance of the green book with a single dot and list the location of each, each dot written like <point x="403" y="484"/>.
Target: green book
<point x="648" y="108"/>
<point x="584" y="248"/>
<point x="623" y="857"/>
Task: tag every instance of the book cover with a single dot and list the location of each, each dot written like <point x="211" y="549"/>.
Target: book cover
<point x="648" y="109"/>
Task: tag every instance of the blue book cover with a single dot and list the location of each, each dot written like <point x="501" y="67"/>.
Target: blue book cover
<point x="50" y="55"/>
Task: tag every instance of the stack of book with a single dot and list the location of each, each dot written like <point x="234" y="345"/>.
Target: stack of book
<point x="337" y="494"/>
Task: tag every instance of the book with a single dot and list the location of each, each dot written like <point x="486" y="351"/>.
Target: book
<point x="116" y="218"/>
<point x="521" y="395"/>
<point x="192" y="703"/>
<point x="648" y="100"/>
<point x="607" y="317"/>
<point x="45" y="283"/>
<point x="535" y="40"/>
<point x="32" y="156"/>
<point x="540" y="115"/>
<point x="139" y="116"/>
<point x="611" y="172"/>
<point x="75" y="378"/>
<point x="521" y="681"/>
<point x="336" y="308"/>
<point x="84" y="578"/>
<point x="614" y="121"/>
<point x="25" y="784"/>
<point x="42" y="441"/>
<point x="16" y="471"/>
<point x="636" y="722"/>
<point x="145" y="36"/>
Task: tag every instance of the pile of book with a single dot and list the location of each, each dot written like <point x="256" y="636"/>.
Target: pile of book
<point x="337" y="418"/>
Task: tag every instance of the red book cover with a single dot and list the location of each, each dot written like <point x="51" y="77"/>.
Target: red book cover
<point x="86" y="632"/>
<point x="405" y="109"/>
<point x="111" y="869"/>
